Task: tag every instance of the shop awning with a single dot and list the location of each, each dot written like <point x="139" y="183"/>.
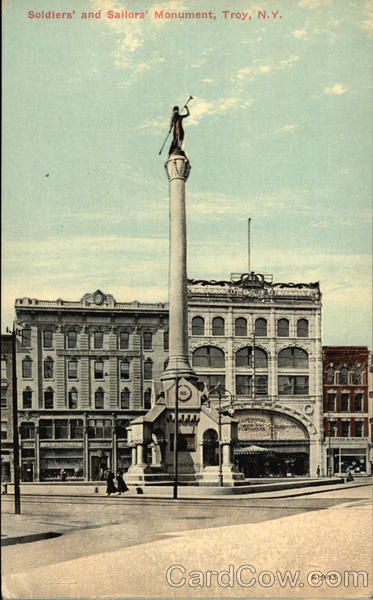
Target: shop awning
<point x="251" y="450"/>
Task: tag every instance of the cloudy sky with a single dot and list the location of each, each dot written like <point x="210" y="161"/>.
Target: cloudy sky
<point x="280" y="131"/>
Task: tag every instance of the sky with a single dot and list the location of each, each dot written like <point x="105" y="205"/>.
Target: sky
<point x="280" y="131"/>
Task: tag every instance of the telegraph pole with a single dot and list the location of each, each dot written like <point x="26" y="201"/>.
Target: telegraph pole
<point x="17" y="493"/>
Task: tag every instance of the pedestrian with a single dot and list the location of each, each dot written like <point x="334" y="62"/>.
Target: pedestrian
<point x="121" y="483"/>
<point x="63" y="475"/>
<point x="110" y="487"/>
<point x="318" y="471"/>
<point x="349" y="476"/>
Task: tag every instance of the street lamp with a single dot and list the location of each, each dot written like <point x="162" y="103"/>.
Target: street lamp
<point x="219" y="392"/>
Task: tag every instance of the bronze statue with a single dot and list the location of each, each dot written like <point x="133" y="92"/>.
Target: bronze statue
<point x="178" y="131"/>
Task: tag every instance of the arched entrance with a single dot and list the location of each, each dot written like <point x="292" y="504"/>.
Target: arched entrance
<point x="210" y="448"/>
<point x="271" y="444"/>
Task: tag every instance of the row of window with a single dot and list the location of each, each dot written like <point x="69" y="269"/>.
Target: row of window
<point x="344" y="375"/>
<point x="345" y="403"/>
<point x="65" y="429"/>
<point x="72" y="399"/>
<point x="345" y="429"/>
<point x="212" y="357"/>
<point x="240" y="327"/>
<point x="72" y="369"/>
<point x="97" y="337"/>
<point x="288" y="385"/>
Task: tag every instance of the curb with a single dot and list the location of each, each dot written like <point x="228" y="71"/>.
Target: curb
<point x="32" y="537"/>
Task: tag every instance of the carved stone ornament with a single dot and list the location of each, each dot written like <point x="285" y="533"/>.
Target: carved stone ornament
<point x="177" y="167"/>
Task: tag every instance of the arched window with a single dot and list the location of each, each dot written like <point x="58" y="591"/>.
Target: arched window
<point x="260" y="358"/>
<point x="283" y="328"/>
<point x="198" y="326"/>
<point x="147" y="398"/>
<point x="125" y="396"/>
<point x="244" y="357"/>
<point x="330" y="375"/>
<point x="357" y="378"/>
<point x="148" y="369"/>
<point x="27" y="367"/>
<point x="208" y="356"/>
<point x="293" y="357"/>
<point x="73" y="398"/>
<point x="343" y="376"/>
<point x="218" y="326"/>
<point x="48" y="368"/>
<point x="210" y="448"/>
<point x="261" y="327"/>
<point x="302" y="328"/>
<point x="240" y="327"/>
<point x="99" y="398"/>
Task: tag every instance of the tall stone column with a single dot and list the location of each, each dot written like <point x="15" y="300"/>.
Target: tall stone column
<point x="178" y="169"/>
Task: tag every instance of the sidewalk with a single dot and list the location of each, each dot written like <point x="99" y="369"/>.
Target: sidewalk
<point x="19" y="529"/>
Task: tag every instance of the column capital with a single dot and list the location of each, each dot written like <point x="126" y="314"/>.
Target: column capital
<point x="177" y="167"/>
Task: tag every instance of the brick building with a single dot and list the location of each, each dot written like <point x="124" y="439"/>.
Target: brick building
<point x="6" y="409"/>
<point x="346" y="411"/>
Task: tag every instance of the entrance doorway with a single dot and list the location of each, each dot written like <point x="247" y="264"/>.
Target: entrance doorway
<point x="99" y="466"/>
<point x="27" y="471"/>
<point x="210" y="448"/>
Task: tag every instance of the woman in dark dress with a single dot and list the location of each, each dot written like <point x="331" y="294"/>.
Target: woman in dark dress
<point x="121" y="483"/>
<point x="110" y="488"/>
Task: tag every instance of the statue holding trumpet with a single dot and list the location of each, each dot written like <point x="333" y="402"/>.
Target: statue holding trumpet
<point x="178" y="132"/>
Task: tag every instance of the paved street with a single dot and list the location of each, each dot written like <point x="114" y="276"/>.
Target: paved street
<point x="122" y="547"/>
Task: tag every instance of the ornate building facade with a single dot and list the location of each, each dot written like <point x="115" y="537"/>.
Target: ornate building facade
<point x="346" y="411"/>
<point x="262" y="341"/>
<point x="86" y="369"/>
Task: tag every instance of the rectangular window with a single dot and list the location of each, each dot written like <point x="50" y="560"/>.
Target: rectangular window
<point x="186" y="442"/>
<point x="73" y="399"/>
<point x="121" y="429"/>
<point x="147" y="340"/>
<point x="72" y="369"/>
<point x="3" y="368"/>
<point x="48" y="400"/>
<point x="331" y="429"/>
<point x="99" y="399"/>
<point x="345" y="402"/>
<point x="261" y="385"/>
<point x="358" y="402"/>
<point x="46" y="429"/>
<point x="359" y="429"/>
<point x="99" y="369"/>
<point x="99" y="428"/>
<point x="212" y="381"/>
<point x="27" y="431"/>
<point x="98" y="340"/>
<point x="165" y="341"/>
<point x="124" y="339"/>
<point x="26" y="368"/>
<point x="72" y="339"/>
<point x="292" y="385"/>
<point x="107" y="428"/>
<point x="48" y="339"/>
<point x="3" y="397"/>
<point x="124" y="369"/>
<point x="345" y="428"/>
<point x="4" y="430"/>
<point x="243" y="385"/>
<point x="62" y="429"/>
<point x="331" y="402"/>
<point x="27" y="399"/>
<point x="76" y="429"/>
<point x="26" y="337"/>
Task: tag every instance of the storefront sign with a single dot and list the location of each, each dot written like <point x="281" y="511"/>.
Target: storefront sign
<point x="63" y="445"/>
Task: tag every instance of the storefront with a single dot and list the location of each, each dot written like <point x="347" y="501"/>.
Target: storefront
<point x="271" y="444"/>
<point x="349" y="458"/>
<point x="56" y="456"/>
